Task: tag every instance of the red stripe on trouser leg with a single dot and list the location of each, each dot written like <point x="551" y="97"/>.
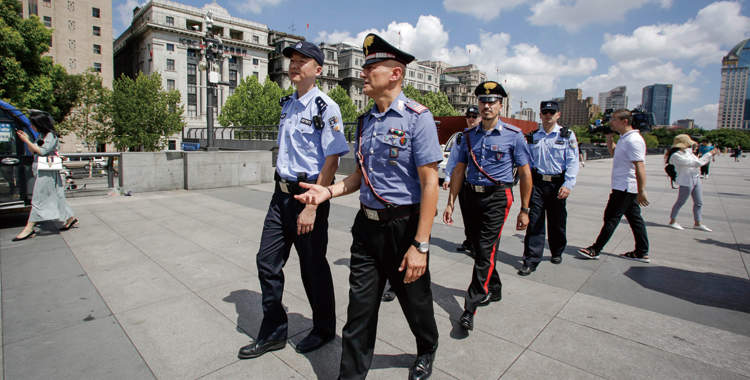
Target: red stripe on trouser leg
<point x="508" y="202"/>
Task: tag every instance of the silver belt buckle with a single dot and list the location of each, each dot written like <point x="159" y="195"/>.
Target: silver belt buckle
<point x="546" y="177"/>
<point x="283" y="186"/>
<point x="479" y="189"/>
<point x="372" y="214"/>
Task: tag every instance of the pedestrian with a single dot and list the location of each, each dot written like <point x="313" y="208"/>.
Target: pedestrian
<point x="737" y="153"/>
<point x="686" y="164"/>
<point x="704" y="148"/>
<point x="487" y="156"/>
<point x="554" y="167"/>
<point x="397" y="152"/>
<point x="472" y="120"/>
<point x="310" y="140"/>
<point x="48" y="198"/>
<point x="628" y="183"/>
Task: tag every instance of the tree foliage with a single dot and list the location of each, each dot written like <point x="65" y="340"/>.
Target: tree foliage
<point x="88" y="119"/>
<point x="27" y="78"/>
<point x="348" y="109"/>
<point x="253" y="104"/>
<point x="437" y="102"/>
<point x="141" y="114"/>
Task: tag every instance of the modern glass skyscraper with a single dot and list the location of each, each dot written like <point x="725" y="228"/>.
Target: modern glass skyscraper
<point x="734" y="96"/>
<point x="657" y="98"/>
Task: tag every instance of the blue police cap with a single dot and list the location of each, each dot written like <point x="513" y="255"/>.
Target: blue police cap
<point x="305" y="48"/>
<point x="377" y="49"/>
<point x="549" y="105"/>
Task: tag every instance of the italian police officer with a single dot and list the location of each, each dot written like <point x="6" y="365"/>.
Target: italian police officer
<point x="310" y="140"/>
<point x="554" y="167"/>
<point x="398" y="151"/>
<point x="486" y="160"/>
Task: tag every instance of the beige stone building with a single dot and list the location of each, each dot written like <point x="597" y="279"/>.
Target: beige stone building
<point x="574" y="110"/>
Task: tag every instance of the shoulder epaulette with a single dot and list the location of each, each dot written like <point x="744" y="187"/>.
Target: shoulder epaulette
<point x="284" y="99"/>
<point x="322" y="105"/>
<point x="513" y="128"/>
<point x="458" y="138"/>
<point x="416" y="107"/>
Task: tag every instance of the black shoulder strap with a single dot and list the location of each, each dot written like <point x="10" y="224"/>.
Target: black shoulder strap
<point x="284" y="99"/>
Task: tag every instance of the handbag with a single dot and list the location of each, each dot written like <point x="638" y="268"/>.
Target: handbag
<point x="49" y="163"/>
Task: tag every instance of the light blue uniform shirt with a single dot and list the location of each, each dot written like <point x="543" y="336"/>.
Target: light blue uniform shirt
<point x="302" y="147"/>
<point x="552" y="154"/>
<point x="394" y="144"/>
<point x="497" y="151"/>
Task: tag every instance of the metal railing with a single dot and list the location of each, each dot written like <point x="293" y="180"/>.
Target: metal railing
<point x="89" y="170"/>
<point x="261" y="132"/>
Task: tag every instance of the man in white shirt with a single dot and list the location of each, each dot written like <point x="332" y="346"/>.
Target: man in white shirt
<point x="628" y="189"/>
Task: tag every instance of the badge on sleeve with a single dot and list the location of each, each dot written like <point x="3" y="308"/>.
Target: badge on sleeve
<point x="283" y="115"/>
<point x="333" y="122"/>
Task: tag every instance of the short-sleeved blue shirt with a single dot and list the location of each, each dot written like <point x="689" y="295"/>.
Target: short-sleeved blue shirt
<point x="302" y="147"/>
<point x="553" y="154"/>
<point x="497" y="151"/>
<point x="394" y="144"/>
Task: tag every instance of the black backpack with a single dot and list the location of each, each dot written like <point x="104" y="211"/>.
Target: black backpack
<point x="670" y="169"/>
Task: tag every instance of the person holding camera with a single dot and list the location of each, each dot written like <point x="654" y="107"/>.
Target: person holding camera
<point x="311" y="139"/>
<point x="628" y="188"/>
<point x="686" y="164"/>
<point x="554" y="167"/>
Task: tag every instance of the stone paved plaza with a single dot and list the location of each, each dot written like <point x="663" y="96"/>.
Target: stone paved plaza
<point x="164" y="285"/>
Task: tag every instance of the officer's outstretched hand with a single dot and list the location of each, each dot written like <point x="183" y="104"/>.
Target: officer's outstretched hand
<point x="448" y="215"/>
<point x="306" y="220"/>
<point x="316" y="194"/>
<point x="563" y="193"/>
<point x="415" y="264"/>
<point x="522" y="221"/>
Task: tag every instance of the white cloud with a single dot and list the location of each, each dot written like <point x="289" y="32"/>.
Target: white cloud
<point x="254" y="6"/>
<point x="705" y="116"/>
<point x="124" y="13"/>
<point x="484" y="10"/>
<point x="703" y="39"/>
<point x="572" y="15"/>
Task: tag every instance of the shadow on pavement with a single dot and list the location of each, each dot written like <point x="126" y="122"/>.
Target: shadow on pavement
<point x="702" y="288"/>
<point x="742" y="247"/>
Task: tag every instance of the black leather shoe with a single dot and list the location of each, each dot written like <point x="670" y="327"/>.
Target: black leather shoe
<point x="526" y="269"/>
<point x="312" y="342"/>
<point x="389" y="295"/>
<point x="556" y="259"/>
<point x="422" y="368"/>
<point x="491" y="297"/>
<point x="255" y="349"/>
<point x="467" y="320"/>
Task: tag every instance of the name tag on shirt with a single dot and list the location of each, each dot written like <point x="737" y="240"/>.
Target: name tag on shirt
<point x="306" y="121"/>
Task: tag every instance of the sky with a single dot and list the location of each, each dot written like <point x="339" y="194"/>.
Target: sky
<point x="535" y="48"/>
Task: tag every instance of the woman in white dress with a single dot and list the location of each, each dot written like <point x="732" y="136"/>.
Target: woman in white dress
<point x="688" y="167"/>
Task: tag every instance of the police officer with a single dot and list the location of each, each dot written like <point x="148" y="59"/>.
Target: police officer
<point x="487" y="157"/>
<point x="310" y="140"/>
<point x="472" y="120"/>
<point x="554" y="166"/>
<point x="398" y="152"/>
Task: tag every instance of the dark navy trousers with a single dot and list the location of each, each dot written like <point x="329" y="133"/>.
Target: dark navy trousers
<point x="545" y="205"/>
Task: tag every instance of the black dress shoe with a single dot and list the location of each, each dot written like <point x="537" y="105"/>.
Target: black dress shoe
<point x="422" y="368"/>
<point x="526" y="269"/>
<point x="467" y="320"/>
<point x="312" y="342"/>
<point x="255" y="349"/>
<point x="556" y="259"/>
<point x="491" y="297"/>
<point x="389" y="295"/>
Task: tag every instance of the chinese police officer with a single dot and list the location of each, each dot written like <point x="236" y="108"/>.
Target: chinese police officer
<point x="310" y="140"/>
<point x="486" y="159"/>
<point x="398" y="152"/>
<point x="554" y="166"/>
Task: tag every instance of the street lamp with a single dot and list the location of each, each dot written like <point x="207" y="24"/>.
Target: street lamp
<point x="213" y="52"/>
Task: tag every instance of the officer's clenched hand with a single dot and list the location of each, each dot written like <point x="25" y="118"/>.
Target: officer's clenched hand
<point x="415" y="264"/>
<point x="306" y="220"/>
<point x="448" y="215"/>
<point x="563" y="193"/>
<point x="446" y="185"/>
<point x="522" y="221"/>
<point x="316" y="194"/>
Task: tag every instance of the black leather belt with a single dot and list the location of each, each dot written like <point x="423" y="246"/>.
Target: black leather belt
<point x="536" y="176"/>
<point x="289" y="187"/>
<point x="389" y="213"/>
<point x="487" y="188"/>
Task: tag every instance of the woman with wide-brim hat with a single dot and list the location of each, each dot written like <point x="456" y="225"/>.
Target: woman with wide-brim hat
<point x="688" y="167"/>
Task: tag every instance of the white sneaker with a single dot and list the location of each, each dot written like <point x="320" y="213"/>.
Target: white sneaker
<point x="703" y="227"/>
<point x="677" y="226"/>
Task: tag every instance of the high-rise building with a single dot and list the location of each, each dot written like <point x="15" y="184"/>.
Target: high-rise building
<point x="734" y="96"/>
<point x="614" y="99"/>
<point x="685" y="123"/>
<point x="525" y="114"/>
<point x="166" y="37"/>
<point x="657" y="98"/>
<point x="574" y="110"/>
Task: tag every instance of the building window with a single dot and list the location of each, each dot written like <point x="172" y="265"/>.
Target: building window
<point x="191" y="73"/>
<point x="256" y="39"/>
<point x="97" y="31"/>
<point x="97" y="49"/>
<point x="71" y="6"/>
<point x="97" y="67"/>
<point x="47" y="3"/>
<point x="170" y="20"/>
<point x="170" y="84"/>
<point x="232" y="78"/>
<point x="48" y="21"/>
<point x="232" y="60"/>
<point x="329" y="55"/>
<point x="170" y="47"/>
<point x="255" y="74"/>
<point x="170" y="64"/>
<point x="33" y="8"/>
<point x="72" y="44"/>
<point x="72" y="63"/>
<point x="95" y="12"/>
<point x="255" y="61"/>
<point x="71" y="25"/>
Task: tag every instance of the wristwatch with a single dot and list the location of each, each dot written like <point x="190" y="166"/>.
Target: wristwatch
<point x="525" y="209"/>
<point x="423" y="247"/>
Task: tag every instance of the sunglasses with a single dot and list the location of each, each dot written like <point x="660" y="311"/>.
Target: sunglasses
<point x="549" y="112"/>
<point x="472" y="116"/>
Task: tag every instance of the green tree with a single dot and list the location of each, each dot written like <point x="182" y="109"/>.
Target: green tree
<point x="140" y="114"/>
<point x="348" y="110"/>
<point x="87" y="118"/>
<point x="27" y="78"/>
<point x="651" y="140"/>
<point x="253" y="104"/>
<point x="437" y="102"/>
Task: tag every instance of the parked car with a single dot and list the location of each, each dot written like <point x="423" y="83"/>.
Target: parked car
<point x="16" y="178"/>
<point x="446" y="153"/>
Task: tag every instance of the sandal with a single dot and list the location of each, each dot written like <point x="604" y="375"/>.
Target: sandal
<point x="589" y="253"/>
<point x="634" y="256"/>
<point x="69" y="226"/>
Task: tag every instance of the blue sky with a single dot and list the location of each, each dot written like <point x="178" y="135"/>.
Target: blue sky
<point x="536" y="48"/>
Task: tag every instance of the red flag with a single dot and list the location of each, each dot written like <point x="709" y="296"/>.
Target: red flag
<point x="308" y="26"/>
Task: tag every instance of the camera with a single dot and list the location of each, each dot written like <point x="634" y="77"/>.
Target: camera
<point x="642" y="121"/>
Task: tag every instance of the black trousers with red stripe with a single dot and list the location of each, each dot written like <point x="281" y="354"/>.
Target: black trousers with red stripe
<point x="486" y="215"/>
